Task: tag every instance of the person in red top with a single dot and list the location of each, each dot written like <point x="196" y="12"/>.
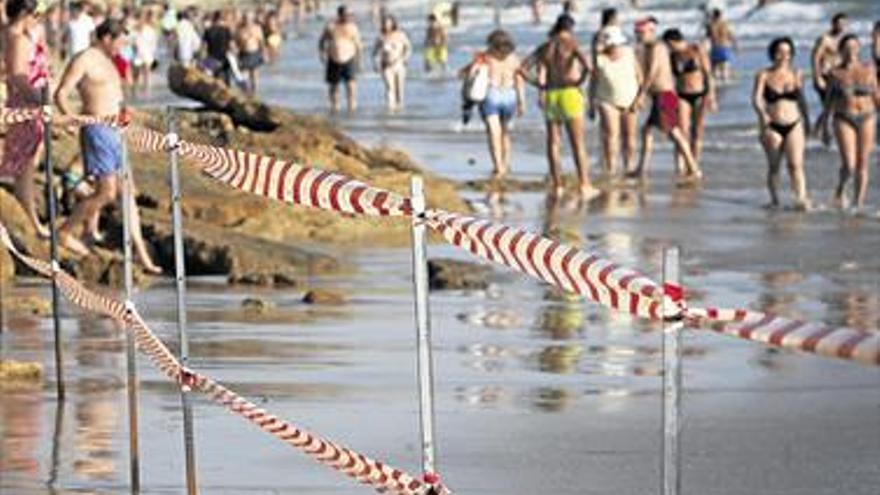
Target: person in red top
<point x="27" y="73"/>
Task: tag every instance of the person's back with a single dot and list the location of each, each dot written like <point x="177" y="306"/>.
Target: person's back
<point x="217" y="40"/>
<point x="617" y="81"/>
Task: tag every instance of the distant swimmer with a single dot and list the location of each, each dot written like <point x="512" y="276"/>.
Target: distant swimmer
<point x="562" y="69"/>
<point x="436" y="45"/>
<point x="340" y="48"/>
<point x="825" y="56"/>
<point x="613" y="90"/>
<point x="723" y="44"/>
<point x="390" y="55"/>
<point x="784" y="119"/>
<point x="504" y="97"/>
<point x="537" y="10"/>
<point x="695" y="87"/>
<point x="853" y="98"/>
<point x="659" y="84"/>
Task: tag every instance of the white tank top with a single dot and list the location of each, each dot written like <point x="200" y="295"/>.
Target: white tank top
<point x="618" y="83"/>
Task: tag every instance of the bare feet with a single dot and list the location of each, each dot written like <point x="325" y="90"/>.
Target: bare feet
<point x="151" y="269"/>
<point x="588" y="192"/>
<point x="73" y="244"/>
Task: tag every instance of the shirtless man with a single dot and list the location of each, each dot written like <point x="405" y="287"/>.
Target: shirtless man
<point x="659" y="83"/>
<point x="340" y="49"/>
<point x="93" y="74"/>
<point x="562" y="69"/>
<point x="825" y="56"/>
<point x="436" y="45"/>
<point x="251" y="43"/>
<point x="723" y="44"/>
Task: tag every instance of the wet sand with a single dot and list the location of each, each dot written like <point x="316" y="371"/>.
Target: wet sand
<point x="564" y="399"/>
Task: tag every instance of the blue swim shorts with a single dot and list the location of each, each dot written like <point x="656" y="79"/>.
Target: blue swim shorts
<point x="101" y="149"/>
<point x="721" y="54"/>
<point x="500" y="102"/>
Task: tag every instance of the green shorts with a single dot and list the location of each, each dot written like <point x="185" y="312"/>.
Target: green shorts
<point x="563" y="104"/>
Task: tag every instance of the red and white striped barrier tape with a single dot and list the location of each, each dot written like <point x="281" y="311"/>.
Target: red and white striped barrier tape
<point x="566" y="267"/>
<point x="841" y="342"/>
<point x="279" y="180"/>
<point x="563" y="266"/>
<point x="383" y="478"/>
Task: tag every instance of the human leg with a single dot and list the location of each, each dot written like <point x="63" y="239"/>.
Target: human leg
<point x="495" y="138"/>
<point x="795" y="145"/>
<point x="575" y="128"/>
<point x="554" y="138"/>
<point x="847" y="145"/>
<point x="629" y="126"/>
<point x="772" y="144"/>
<point x="609" y="116"/>
<point x="865" y="147"/>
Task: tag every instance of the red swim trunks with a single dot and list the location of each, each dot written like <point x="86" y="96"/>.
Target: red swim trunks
<point x="664" y="111"/>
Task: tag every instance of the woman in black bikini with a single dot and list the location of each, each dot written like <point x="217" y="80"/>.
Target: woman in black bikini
<point x="784" y="118"/>
<point x="852" y="100"/>
<point x="695" y="88"/>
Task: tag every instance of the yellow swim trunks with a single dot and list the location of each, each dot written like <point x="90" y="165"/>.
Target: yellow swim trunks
<point x="436" y="55"/>
<point x="563" y="104"/>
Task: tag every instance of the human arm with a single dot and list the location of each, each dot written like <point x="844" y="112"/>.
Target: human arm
<point x="802" y="101"/>
<point x="647" y="78"/>
<point x="758" y="99"/>
<point x="520" y="85"/>
<point x="586" y="65"/>
<point x="708" y="80"/>
<point x="73" y="74"/>
<point x="816" y="62"/>
<point x="324" y="44"/>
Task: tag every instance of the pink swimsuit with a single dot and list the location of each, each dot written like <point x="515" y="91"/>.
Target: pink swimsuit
<point x="23" y="140"/>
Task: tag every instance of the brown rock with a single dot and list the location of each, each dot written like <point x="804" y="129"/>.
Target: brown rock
<point x="216" y="95"/>
<point x="457" y="275"/>
<point x="20" y="371"/>
<point x="324" y="297"/>
<point x="257" y="305"/>
<point x="27" y="304"/>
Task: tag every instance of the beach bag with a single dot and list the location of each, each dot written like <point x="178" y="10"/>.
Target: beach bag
<point x="476" y="84"/>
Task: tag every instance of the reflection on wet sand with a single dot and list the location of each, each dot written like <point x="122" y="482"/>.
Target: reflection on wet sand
<point x="97" y="418"/>
<point x="859" y="308"/>
<point x="21" y="412"/>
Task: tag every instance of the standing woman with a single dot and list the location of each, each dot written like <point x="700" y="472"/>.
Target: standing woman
<point x="27" y="73"/>
<point x="695" y="88"/>
<point x="390" y="55"/>
<point x="613" y="90"/>
<point x="505" y="97"/>
<point x="852" y="100"/>
<point x="784" y="119"/>
<point x="146" y="44"/>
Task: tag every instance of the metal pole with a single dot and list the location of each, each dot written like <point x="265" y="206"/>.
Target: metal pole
<point x="180" y="276"/>
<point x="131" y="361"/>
<point x="53" y="240"/>
<point x="423" y="325"/>
<point x="672" y="382"/>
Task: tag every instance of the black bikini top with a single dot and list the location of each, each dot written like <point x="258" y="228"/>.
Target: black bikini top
<point x="682" y="65"/>
<point x="772" y="96"/>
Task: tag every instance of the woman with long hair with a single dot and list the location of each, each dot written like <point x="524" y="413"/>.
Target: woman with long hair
<point x="505" y="96"/>
<point x="852" y="101"/>
<point x="694" y="86"/>
<point x="27" y="74"/>
<point x="784" y="120"/>
<point x="390" y="55"/>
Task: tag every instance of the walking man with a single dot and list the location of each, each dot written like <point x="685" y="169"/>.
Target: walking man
<point x="340" y="50"/>
<point x="94" y="76"/>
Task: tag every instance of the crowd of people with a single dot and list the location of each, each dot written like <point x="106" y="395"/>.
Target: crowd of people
<point x="107" y="54"/>
<point x="104" y="56"/>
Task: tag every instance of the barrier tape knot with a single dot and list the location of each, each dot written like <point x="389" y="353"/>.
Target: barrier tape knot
<point x="48" y="113"/>
<point x="676" y="293"/>
<point x="55" y="266"/>
<point x="172" y="142"/>
<point x="187" y="379"/>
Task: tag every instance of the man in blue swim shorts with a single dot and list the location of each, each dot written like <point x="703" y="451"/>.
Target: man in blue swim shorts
<point x="94" y="76"/>
<point x="723" y="43"/>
